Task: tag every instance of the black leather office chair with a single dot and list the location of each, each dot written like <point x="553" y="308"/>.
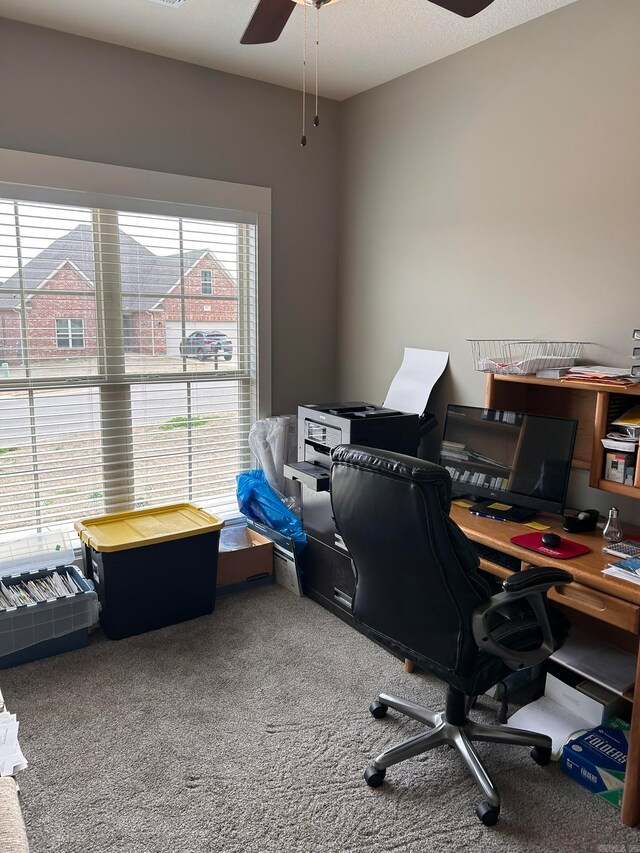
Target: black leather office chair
<point x="419" y="590"/>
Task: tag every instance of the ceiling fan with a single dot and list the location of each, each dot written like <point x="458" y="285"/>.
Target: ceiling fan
<point x="270" y="16"/>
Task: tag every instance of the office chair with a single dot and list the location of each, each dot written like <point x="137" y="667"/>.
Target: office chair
<point x="419" y="591"/>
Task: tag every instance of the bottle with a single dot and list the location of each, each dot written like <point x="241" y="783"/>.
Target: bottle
<point x="612" y="531"/>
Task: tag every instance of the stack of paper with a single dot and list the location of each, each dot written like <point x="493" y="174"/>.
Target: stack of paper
<point x="628" y="569"/>
<point x="548" y="717"/>
<point x="11" y="757"/>
<point x="602" y="373"/>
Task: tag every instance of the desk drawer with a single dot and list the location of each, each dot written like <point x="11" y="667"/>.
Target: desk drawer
<point x="604" y="607"/>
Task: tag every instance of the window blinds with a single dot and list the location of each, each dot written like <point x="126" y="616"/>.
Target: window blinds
<point x="124" y="382"/>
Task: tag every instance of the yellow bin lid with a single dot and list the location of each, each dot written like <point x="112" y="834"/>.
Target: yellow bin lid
<point x="145" y="527"/>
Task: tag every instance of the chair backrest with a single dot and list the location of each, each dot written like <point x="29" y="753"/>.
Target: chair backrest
<point x="417" y="580"/>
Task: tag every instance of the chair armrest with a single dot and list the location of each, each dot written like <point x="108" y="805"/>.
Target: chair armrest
<point x="532" y="585"/>
<point x="536" y="577"/>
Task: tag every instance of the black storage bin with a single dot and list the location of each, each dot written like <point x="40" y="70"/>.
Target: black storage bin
<point x="153" y="567"/>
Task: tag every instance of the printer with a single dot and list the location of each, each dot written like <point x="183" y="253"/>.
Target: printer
<point x="327" y="573"/>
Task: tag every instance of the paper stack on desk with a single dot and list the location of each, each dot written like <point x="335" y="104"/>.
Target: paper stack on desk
<point x="627" y="569"/>
<point x="11" y="757"/>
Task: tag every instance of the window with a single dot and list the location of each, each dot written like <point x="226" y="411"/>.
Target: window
<point x="136" y="418"/>
<point x="70" y="334"/>
<point x="206" y="282"/>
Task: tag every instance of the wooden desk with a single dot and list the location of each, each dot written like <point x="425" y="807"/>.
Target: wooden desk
<point x="609" y="606"/>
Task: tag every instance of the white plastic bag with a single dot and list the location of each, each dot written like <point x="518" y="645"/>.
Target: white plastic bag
<point x="273" y="443"/>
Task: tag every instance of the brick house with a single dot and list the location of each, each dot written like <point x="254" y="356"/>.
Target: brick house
<point x="64" y="324"/>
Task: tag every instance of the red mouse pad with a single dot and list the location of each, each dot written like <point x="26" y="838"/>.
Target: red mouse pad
<point x="564" y="551"/>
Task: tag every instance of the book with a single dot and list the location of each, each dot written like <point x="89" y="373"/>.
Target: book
<point x="630" y="564"/>
<point x="552" y="372"/>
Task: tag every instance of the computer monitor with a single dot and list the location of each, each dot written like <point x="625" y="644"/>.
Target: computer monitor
<point x="511" y="464"/>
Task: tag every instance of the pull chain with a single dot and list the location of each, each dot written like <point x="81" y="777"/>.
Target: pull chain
<point x="303" y="141"/>
<point x="316" y="120"/>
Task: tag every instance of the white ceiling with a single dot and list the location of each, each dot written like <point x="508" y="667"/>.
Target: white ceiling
<point x="363" y="42"/>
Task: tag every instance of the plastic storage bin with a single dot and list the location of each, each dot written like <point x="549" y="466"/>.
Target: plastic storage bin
<point x="151" y="567"/>
<point x="32" y="631"/>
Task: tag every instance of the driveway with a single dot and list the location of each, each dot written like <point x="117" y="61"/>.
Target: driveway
<point x="78" y="410"/>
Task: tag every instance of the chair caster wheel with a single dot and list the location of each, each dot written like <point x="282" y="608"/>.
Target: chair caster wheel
<point x="374" y="777"/>
<point x="488" y="815"/>
<point x="378" y="710"/>
<point x="541" y="755"/>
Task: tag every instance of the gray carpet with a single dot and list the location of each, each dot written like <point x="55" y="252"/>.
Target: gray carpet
<point x="248" y="730"/>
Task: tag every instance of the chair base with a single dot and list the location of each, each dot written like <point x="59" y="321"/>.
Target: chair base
<point x="461" y="737"/>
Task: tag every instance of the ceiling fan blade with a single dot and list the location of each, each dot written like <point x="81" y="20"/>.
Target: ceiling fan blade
<point x="466" y="8"/>
<point x="268" y="21"/>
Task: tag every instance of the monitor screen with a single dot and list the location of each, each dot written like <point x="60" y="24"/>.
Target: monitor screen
<point x="524" y="459"/>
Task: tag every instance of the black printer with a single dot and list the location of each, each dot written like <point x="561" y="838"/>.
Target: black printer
<point x="328" y="576"/>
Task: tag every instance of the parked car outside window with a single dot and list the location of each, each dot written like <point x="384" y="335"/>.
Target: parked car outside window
<point x="204" y="345"/>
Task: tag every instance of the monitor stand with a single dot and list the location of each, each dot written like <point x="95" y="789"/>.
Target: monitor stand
<point x="502" y="511"/>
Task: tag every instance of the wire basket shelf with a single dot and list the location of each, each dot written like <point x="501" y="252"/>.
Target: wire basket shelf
<point x="523" y="357"/>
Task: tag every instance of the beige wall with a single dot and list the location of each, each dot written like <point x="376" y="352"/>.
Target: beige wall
<point x="78" y="98"/>
<point x="495" y="193"/>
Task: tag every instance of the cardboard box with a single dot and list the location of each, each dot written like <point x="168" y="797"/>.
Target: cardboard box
<point x="245" y="559"/>
<point x="597" y="760"/>
<point x="620" y="467"/>
<point x="593" y="704"/>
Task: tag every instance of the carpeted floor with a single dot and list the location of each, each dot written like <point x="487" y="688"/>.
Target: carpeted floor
<point x="248" y="730"/>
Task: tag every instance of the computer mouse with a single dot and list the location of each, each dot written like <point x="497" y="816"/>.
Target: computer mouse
<point x="551" y="540"/>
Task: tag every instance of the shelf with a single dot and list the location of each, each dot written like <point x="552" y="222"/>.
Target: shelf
<point x="600" y="662"/>
<point x="580" y="385"/>
<point x="618" y="488"/>
<point x="591" y="404"/>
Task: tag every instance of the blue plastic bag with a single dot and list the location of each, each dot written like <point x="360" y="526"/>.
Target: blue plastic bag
<point x="258" y="501"/>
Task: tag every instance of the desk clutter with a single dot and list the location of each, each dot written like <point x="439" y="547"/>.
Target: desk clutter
<point x="585" y="701"/>
<point x="621" y="444"/>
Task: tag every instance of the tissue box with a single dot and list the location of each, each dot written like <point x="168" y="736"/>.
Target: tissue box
<point x="597" y="760"/>
<point x="620" y="467"/>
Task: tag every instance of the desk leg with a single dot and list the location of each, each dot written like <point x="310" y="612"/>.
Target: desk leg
<point x="408" y="665"/>
<point x="631" y="797"/>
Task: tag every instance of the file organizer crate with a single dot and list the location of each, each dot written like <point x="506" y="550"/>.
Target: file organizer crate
<point x="151" y="567"/>
<point x="33" y="631"/>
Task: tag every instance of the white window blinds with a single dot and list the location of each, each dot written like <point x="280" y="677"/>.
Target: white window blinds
<point x="124" y="382"/>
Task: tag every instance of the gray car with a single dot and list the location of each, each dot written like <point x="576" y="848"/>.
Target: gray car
<point x="204" y="345"/>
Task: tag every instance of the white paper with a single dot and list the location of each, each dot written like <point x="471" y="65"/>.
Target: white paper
<point x="602" y="369"/>
<point x="11" y="757"/>
<point x="548" y="718"/>
<point x="412" y="385"/>
<point x="622" y="573"/>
